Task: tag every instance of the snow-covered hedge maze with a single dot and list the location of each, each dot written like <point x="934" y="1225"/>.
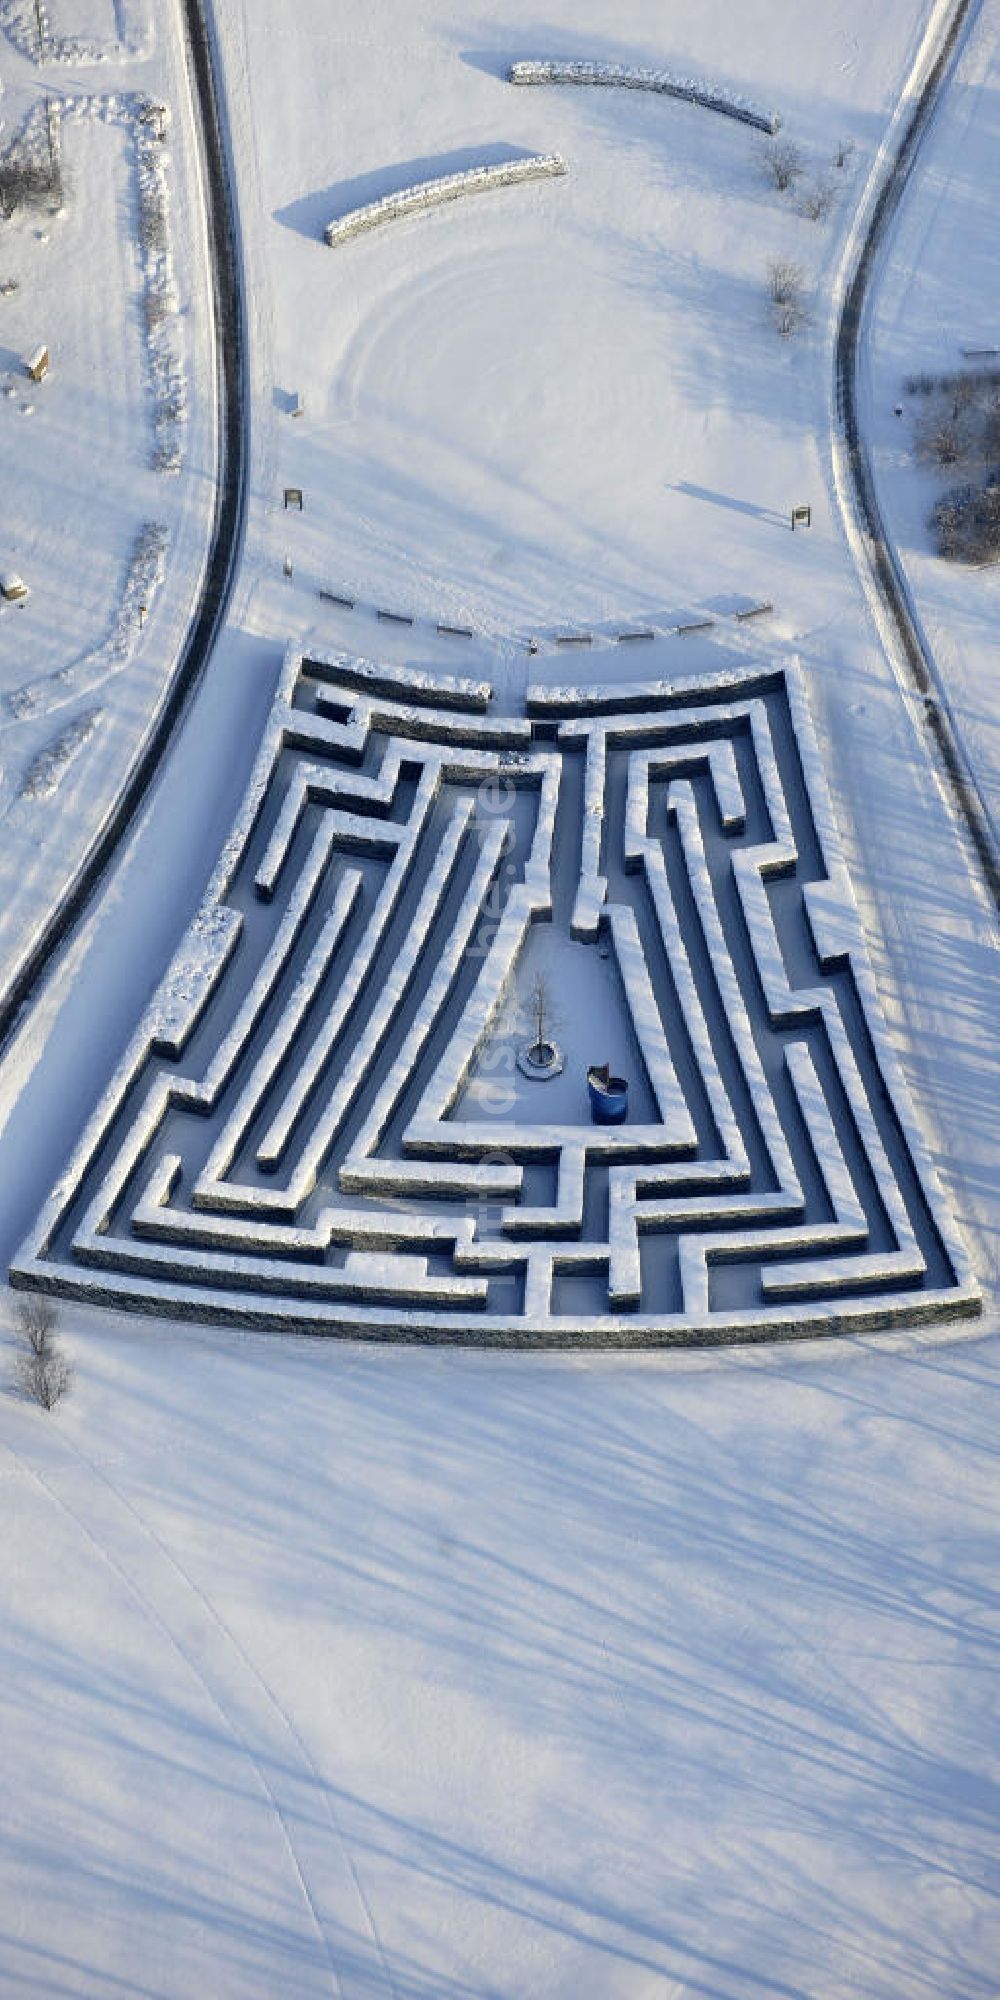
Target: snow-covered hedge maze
<point x="624" y="76"/>
<point x="450" y="187"/>
<point x="300" y="1136"/>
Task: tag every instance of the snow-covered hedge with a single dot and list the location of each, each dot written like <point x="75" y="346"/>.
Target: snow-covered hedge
<point x="28" y="24"/>
<point x="46" y="771"/>
<point x="49" y="692"/>
<point x="361" y="1171"/>
<point x="430" y="194"/>
<point x="536" y="1327"/>
<point x="32" y="174"/>
<point x="230" y="1240"/>
<point x="192" y="977"/>
<point x="403" y="718"/>
<point x="624" y="697"/>
<point x="412" y="683"/>
<point x="624" y="76"/>
<point x="382" y="1012"/>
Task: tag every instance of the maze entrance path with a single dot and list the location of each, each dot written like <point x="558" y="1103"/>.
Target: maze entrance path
<point x="319" y="1123"/>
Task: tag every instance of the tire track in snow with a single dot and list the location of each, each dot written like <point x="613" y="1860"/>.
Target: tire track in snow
<point x="338" y="1908"/>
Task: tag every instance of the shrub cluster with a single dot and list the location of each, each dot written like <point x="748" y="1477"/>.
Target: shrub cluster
<point x="965" y="523"/>
<point x="41" y="1371"/>
<point x="959" y="425"/>
<point x="814" y="191"/>
<point x="785" y="290"/>
<point x="29" y="180"/>
<point x="813" y="194"/>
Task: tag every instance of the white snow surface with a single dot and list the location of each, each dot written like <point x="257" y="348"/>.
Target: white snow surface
<point x="566" y="406"/>
<point x="383" y="1673"/>
<point x="451" y="1676"/>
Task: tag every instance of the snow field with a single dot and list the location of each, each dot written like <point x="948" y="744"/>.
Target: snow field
<point x="465" y="1674"/>
<point x="610" y="341"/>
<point x="631" y="1676"/>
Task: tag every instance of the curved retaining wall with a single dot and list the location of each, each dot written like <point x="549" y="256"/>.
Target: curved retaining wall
<point x="624" y="77"/>
<point x="429" y="194"/>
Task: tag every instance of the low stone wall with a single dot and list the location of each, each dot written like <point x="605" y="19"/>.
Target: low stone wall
<point x="624" y="76"/>
<point x="450" y="187"/>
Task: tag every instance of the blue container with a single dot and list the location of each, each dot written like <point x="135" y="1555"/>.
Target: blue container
<point x="608" y="1096"/>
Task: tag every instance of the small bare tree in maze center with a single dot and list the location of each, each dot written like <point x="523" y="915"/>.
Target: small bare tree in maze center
<point x="540" y="1008"/>
<point x="541" y="1057"/>
<point x="316" y="1124"/>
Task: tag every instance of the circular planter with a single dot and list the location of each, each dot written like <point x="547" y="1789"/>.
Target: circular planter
<point x="540" y="1060"/>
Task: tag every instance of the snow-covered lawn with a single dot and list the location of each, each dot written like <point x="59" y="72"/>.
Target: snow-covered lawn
<point x="465" y="1676"/>
<point x="454" y="1676"/>
<point x="566" y="403"/>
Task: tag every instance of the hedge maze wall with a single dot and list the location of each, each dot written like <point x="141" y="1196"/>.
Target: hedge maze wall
<point x="301" y="1133"/>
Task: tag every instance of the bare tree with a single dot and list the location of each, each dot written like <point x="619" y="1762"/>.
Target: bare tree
<point x="789" y="317"/>
<point x="35" y="1321"/>
<point x="785" y="291"/>
<point x="965" y="394"/>
<point x="943" y="439"/>
<point x="844" y="152"/>
<point x="152" y="218"/>
<point x="781" y="161"/>
<point x="29" y="180"/>
<point x="815" y="198"/>
<point x="43" y="1378"/>
<point x="966" y="524"/>
<point x="41" y="1371"/>
<point x="539" y="1008"/>
<point x="991" y="435"/>
<point x="986" y="527"/>
<point x="945" y="524"/>
<point x="784" y="280"/>
<point x="155" y="308"/>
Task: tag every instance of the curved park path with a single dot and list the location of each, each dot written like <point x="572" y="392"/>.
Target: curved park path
<point x="911" y="654"/>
